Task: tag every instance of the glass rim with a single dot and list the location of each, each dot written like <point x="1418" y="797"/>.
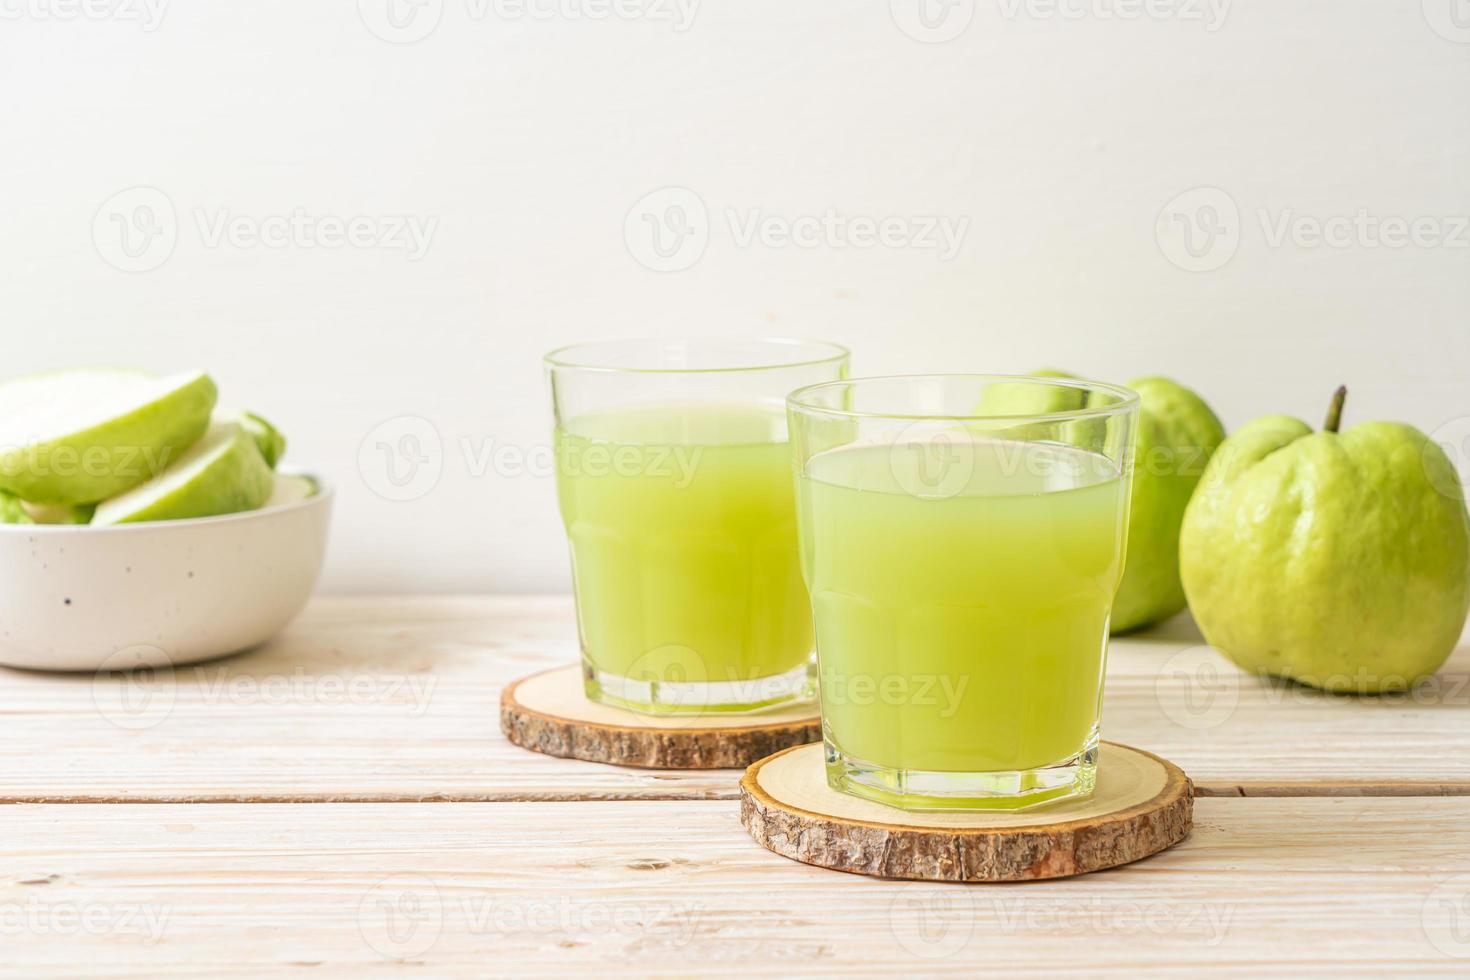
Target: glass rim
<point x="1127" y="399"/>
<point x="833" y="353"/>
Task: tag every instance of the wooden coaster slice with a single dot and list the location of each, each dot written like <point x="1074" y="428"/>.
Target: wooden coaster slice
<point x="1142" y="805"/>
<point x="549" y="712"/>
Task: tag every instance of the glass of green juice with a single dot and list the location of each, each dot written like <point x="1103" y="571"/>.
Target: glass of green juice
<point x="962" y="538"/>
<point x="674" y="483"/>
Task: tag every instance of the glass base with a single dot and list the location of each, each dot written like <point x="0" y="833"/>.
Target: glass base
<point x="655" y="697"/>
<point x="917" y="789"/>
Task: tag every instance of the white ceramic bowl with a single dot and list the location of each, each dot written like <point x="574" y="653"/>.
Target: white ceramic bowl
<point x="156" y="594"/>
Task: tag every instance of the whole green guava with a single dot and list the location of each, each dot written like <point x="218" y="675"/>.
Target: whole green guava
<point x="1177" y="435"/>
<point x="1337" y="559"/>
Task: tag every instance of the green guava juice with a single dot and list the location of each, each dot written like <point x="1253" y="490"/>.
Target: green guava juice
<point x="961" y="594"/>
<point x="682" y="524"/>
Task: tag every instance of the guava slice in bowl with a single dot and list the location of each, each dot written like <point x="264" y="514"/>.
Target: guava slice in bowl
<point x="290" y="488"/>
<point x="222" y="473"/>
<point x="77" y="437"/>
<point x="58" y="513"/>
<point x="268" y="438"/>
<point x="13" y="510"/>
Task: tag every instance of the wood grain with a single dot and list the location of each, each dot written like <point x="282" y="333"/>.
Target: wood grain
<point x="397" y="699"/>
<point x="549" y="712"/>
<point x="1141" y="806"/>
<point x="1347" y="887"/>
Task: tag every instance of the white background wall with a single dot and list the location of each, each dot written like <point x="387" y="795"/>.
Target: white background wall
<point x="1060" y="135"/>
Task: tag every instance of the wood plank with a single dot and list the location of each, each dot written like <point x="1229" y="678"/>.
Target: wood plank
<point x="1347" y="886"/>
<point x="1240" y="735"/>
<point x="397" y="699"/>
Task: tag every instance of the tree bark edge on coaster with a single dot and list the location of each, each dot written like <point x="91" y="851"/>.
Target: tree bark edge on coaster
<point x="548" y="712"/>
<point x="1148" y="808"/>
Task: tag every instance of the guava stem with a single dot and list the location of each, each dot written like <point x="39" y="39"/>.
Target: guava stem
<point x="1334" y="412"/>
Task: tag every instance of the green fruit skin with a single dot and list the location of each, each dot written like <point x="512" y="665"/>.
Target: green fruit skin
<point x="1336" y="560"/>
<point x="11" y="511"/>
<point x="60" y="513"/>
<point x="241" y="469"/>
<point x="1019" y="398"/>
<point x="1177" y="436"/>
<point x="268" y="438"/>
<point x="116" y="455"/>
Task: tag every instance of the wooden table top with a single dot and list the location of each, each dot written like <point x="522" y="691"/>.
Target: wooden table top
<point x="364" y="812"/>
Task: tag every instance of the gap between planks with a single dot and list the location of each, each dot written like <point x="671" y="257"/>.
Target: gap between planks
<point x="1246" y="790"/>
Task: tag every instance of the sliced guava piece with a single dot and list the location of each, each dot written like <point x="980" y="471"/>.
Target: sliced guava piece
<point x="13" y="511"/>
<point x="77" y="437"/>
<point x="59" y="513"/>
<point x="268" y="438"/>
<point x="222" y="473"/>
<point x="291" y="488"/>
